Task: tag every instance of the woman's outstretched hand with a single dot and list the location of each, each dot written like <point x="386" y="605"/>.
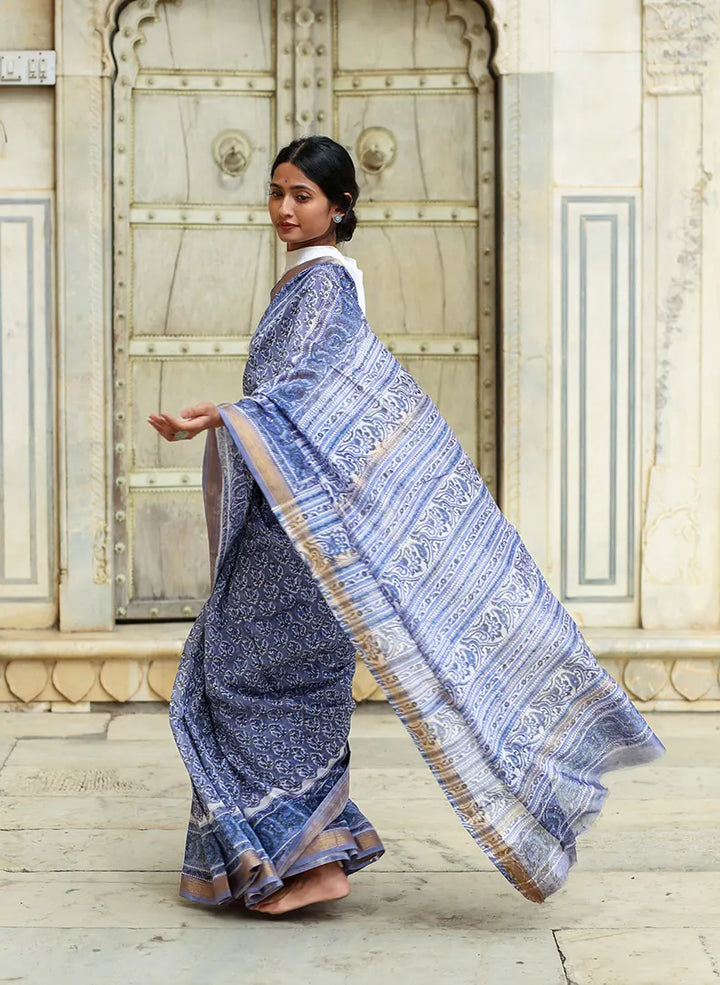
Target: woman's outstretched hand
<point x="192" y="421"/>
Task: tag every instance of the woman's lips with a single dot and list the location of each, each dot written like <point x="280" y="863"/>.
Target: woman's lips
<point x="287" y="225"/>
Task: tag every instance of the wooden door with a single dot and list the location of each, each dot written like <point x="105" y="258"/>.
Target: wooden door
<point x="201" y="103"/>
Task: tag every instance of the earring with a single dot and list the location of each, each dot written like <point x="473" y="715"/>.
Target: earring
<point x="338" y="218"/>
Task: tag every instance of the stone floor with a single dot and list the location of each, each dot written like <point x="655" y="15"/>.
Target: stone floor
<point x="93" y="810"/>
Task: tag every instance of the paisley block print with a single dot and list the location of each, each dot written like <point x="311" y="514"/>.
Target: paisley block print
<point x="346" y="518"/>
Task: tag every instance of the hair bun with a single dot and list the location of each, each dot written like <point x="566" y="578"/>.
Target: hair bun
<point x="346" y="228"/>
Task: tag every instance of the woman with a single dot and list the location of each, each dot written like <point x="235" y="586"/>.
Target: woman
<point x="344" y="517"/>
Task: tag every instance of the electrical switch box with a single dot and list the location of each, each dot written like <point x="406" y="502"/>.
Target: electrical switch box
<point x="27" y="68"/>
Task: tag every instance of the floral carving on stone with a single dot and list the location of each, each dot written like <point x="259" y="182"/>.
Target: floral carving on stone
<point x="645" y="679"/>
<point x="161" y="676"/>
<point x="678" y="36"/>
<point x="26" y="679"/>
<point x="74" y="678"/>
<point x="121" y="678"/>
<point x="693" y="678"/>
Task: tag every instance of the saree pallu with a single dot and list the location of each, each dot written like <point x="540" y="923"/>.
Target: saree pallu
<point x="429" y="583"/>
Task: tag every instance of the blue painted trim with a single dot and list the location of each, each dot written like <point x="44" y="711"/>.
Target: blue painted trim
<point x="52" y="532"/>
<point x="564" y="400"/>
<point x="613" y="218"/>
<point x="632" y="392"/>
<point x="30" y="221"/>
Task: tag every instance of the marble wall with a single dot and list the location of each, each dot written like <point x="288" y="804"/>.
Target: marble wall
<point x="608" y="145"/>
<point x="611" y="417"/>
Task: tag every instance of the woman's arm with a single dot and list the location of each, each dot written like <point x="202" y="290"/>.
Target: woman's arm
<point x="192" y="421"/>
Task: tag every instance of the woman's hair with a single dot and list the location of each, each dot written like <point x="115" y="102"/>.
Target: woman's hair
<point x="329" y="165"/>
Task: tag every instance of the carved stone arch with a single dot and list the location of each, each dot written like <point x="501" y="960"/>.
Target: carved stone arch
<point x="122" y="31"/>
<point x="501" y="18"/>
<point x="478" y="20"/>
<point x="504" y="18"/>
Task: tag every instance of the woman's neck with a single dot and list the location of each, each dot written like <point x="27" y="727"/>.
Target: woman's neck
<point x="329" y="239"/>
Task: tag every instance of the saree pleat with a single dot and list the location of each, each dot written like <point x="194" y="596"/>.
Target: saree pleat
<point x="261" y="713"/>
<point x="428" y="581"/>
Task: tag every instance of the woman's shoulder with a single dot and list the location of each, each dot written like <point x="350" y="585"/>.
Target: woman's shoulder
<point x="326" y="278"/>
<point x="324" y="284"/>
<point x="326" y="270"/>
<point x="331" y="283"/>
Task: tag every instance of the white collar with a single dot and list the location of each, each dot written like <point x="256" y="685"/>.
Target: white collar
<point x="293" y="258"/>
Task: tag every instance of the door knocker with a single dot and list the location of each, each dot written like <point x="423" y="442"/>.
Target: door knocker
<point x="232" y="151"/>
<point x="376" y="149"/>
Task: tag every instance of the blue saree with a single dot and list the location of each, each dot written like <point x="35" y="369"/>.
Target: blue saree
<point x="344" y="517"/>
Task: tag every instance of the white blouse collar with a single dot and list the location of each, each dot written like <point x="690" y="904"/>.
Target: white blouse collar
<point x="293" y="258"/>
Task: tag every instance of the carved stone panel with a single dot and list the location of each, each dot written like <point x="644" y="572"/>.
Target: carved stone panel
<point x="677" y="38"/>
<point x="599" y="400"/>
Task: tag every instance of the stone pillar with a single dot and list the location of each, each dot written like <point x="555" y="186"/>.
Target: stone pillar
<point x="526" y="149"/>
<point x="681" y="542"/>
<point x="84" y="317"/>
<point x="524" y="63"/>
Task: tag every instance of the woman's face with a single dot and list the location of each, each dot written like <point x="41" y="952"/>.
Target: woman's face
<point x="299" y="209"/>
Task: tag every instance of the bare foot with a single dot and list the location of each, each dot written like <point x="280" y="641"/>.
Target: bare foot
<point x="318" y="885"/>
